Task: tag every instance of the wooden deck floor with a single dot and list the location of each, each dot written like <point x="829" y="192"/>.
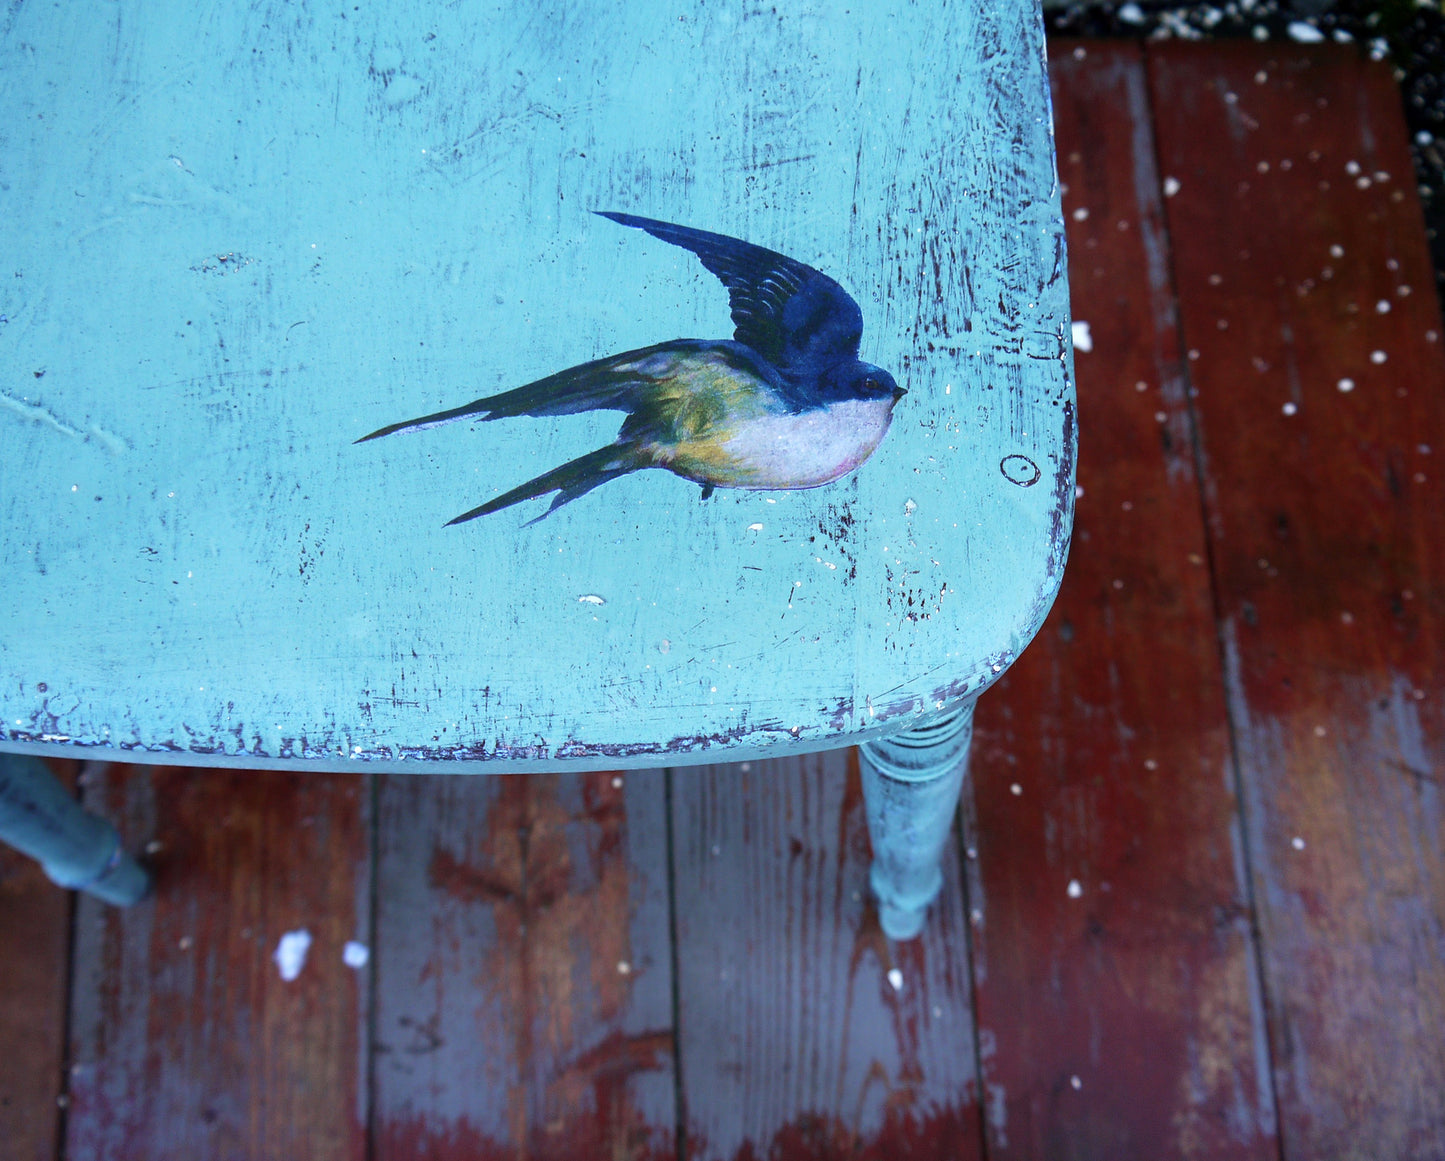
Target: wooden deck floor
<point x="1197" y="908"/>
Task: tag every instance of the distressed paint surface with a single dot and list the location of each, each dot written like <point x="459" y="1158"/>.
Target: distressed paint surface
<point x="803" y="1031"/>
<point x="185" y="1040"/>
<point x="524" y="973"/>
<point x="1119" y="1002"/>
<point x="1328" y="546"/>
<point x="237" y="241"/>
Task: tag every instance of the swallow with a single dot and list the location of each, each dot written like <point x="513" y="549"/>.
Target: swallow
<point x="784" y="404"/>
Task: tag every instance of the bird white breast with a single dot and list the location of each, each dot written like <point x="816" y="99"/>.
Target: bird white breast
<point x="803" y="451"/>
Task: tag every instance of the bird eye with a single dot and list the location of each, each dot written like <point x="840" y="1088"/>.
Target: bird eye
<point x="870" y="384"/>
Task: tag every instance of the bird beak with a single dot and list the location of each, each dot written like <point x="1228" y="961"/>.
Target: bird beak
<point x="898" y="393"/>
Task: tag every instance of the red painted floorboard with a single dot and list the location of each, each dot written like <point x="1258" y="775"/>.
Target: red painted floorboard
<point x="34" y="959"/>
<point x="1117" y="983"/>
<point x="524" y="979"/>
<point x="1307" y="297"/>
<point x="186" y="1042"/>
<point x="804" y="1032"/>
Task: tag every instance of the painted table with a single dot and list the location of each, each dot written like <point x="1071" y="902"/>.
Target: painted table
<point x="687" y="260"/>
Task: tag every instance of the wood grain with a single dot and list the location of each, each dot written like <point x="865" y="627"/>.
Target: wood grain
<point x="794" y="1041"/>
<point x="1308" y="306"/>
<point x="186" y="1042"/>
<point x="1117" y="988"/>
<point x="524" y="980"/>
<point x="34" y="964"/>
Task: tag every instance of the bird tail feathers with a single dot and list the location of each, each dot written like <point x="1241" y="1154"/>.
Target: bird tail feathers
<point x="611" y="384"/>
<point x="574" y="478"/>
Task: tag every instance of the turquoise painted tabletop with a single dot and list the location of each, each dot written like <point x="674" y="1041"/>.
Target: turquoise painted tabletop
<point x="741" y="333"/>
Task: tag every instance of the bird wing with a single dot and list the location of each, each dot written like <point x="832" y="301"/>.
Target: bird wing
<point x="795" y="317"/>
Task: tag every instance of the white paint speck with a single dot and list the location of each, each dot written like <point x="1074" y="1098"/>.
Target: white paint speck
<point x="624" y="968"/>
<point x="1078" y="491"/>
<point x="1083" y="339"/>
<point x="1337" y="251"/>
<point x="1378" y="357"/>
<point x="1016" y="789"/>
<point x="1075" y="1083"/>
<point x="1297" y="842"/>
<point x="354" y="955"/>
<point x="290" y="955"/>
<point x="1171" y="186"/>
<point x="1075" y="889"/>
<point x="1303" y="33"/>
<point x="895" y="977"/>
<point x="1131" y="13"/>
<point x="1352" y="167"/>
<point x="755" y="527"/>
<point x="1346" y="385"/>
<point x="1383" y="306"/>
<point x="591" y="599"/>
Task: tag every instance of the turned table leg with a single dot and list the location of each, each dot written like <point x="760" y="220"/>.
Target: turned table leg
<point x="911" y="783"/>
<point x="75" y="848"/>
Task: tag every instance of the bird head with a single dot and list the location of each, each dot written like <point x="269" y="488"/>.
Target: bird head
<point x="865" y="381"/>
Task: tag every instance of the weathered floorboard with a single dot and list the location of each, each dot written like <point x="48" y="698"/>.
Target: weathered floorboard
<point x="34" y="954"/>
<point x="524" y="979"/>
<point x="1117" y="981"/>
<point x="1307" y="303"/>
<point x="186" y="1041"/>
<point x="794" y="1040"/>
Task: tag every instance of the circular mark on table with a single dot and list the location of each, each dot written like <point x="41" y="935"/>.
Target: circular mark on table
<point x="1019" y="470"/>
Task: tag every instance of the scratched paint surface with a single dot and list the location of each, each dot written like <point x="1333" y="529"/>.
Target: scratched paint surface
<point x="237" y="241"/>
